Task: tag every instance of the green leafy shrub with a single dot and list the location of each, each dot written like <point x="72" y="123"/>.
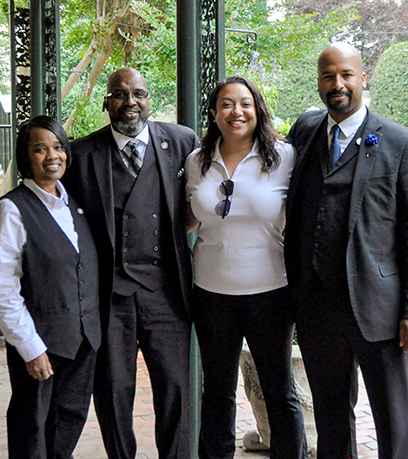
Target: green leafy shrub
<point x="388" y="88"/>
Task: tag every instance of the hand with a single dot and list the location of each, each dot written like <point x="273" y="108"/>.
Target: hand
<point x="40" y="368"/>
<point x="403" y="332"/>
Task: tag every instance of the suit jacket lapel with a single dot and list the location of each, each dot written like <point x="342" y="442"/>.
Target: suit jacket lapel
<point x="102" y="160"/>
<point x="365" y="161"/>
<point x="162" y="147"/>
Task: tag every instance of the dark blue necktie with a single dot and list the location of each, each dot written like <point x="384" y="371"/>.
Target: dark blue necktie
<point x="335" y="149"/>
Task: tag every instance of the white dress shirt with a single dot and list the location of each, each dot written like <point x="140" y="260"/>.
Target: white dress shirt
<point x="348" y="127"/>
<point x="16" y="322"/>
<point x="241" y="254"/>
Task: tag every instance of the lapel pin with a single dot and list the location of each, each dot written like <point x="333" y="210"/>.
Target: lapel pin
<point x="80" y="211"/>
<point x="164" y="145"/>
<point x="180" y="173"/>
<point x="358" y="141"/>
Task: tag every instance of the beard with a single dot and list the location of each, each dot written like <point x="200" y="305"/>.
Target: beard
<point x="339" y="107"/>
<point x="130" y="129"/>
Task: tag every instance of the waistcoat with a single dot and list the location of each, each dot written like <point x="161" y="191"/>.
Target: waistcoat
<point x="59" y="285"/>
<point x="144" y="248"/>
<point x="323" y="210"/>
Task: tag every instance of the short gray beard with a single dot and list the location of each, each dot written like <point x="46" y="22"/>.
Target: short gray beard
<point x="130" y="129"/>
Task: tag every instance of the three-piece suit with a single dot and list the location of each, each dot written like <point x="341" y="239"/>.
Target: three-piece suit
<point x="145" y="276"/>
<point x="346" y="254"/>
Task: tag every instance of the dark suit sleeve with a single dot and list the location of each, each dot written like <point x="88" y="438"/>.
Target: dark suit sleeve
<point x="402" y="209"/>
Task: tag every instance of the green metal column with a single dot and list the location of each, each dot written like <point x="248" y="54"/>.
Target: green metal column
<point x="13" y="93"/>
<point x="37" y="57"/>
<point x="189" y="114"/>
<point x="220" y="38"/>
<point x="189" y="63"/>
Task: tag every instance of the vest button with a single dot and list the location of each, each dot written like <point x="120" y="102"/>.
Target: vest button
<point x="318" y="227"/>
<point x="155" y="262"/>
<point x="125" y="234"/>
<point x="125" y="249"/>
<point x="125" y="217"/>
<point x="316" y="244"/>
<point x="154" y="216"/>
<point x="79" y="266"/>
<point x="324" y="192"/>
<point x="155" y="248"/>
<point x="155" y="233"/>
<point x="321" y="209"/>
<point x="125" y="264"/>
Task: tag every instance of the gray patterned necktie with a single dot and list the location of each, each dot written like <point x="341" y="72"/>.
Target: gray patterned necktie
<point x="136" y="155"/>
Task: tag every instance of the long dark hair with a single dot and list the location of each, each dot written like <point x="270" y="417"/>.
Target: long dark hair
<point x="264" y="131"/>
<point x="44" y="122"/>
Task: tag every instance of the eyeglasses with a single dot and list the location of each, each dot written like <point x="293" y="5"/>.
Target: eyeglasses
<point x="223" y="207"/>
<point x="139" y="94"/>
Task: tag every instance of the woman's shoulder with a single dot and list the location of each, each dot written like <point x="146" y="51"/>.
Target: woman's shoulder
<point x="285" y="149"/>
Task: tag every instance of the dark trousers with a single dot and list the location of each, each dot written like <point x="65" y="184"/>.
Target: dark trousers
<point x="45" y="418"/>
<point x="266" y="321"/>
<point x="332" y="347"/>
<point x="147" y="320"/>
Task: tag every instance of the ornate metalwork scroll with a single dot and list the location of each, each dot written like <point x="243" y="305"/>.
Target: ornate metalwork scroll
<point x="51" y="59"/>
<point x="208" y="54"/>
<point x="22" y="65"/>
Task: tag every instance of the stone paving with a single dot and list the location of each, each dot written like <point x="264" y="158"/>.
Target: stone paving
<point x="90" y="445"/>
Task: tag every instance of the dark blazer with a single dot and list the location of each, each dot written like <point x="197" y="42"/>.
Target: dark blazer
<point x="89" y="180"/>
<point x="377" y="249"/>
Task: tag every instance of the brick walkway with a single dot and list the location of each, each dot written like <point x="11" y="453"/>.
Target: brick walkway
<point x="90" y="445"/>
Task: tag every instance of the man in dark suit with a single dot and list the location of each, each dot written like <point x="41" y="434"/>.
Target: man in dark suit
<point x="346" y="251"/>
<point x="129" y="178"/>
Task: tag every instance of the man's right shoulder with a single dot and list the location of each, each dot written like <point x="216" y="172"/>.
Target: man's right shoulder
<point x="99" y="137"/>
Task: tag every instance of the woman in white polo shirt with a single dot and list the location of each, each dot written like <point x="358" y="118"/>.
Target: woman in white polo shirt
<point x="237" y="183"/>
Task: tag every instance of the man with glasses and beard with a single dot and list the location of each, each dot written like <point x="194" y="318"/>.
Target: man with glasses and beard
<point x="346" y="253"/>
<point x="129" y="179"/>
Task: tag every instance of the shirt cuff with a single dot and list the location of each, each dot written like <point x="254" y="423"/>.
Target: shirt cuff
<point x="32" y="348"/>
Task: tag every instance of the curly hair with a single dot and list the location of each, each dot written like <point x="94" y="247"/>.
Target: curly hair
<point x="44" y="122"/>
<point x="264" y="131"/>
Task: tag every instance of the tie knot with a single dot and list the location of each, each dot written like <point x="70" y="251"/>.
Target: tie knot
<point x="335" y="130"/>
<point x="134" y="144"/>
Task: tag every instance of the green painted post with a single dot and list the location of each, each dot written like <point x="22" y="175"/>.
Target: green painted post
<point x="188" y="114"/>
<point x="220" y="38"/>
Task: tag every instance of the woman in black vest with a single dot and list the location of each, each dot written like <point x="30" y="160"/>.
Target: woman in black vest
<point x="48" y="299"/>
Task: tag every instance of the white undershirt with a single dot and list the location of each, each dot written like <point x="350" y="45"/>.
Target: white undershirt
<point x="348" y="127"/>
<point x="16" y="322"/>
<point x="241" y="254"/>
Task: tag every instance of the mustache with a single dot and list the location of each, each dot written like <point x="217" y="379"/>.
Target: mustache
<point x="340" y="92"/>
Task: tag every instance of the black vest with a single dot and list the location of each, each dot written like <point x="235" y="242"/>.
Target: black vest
<point x="321" y="210"/>
<point x="59" y="286"/>
<point x="144" y="248"/>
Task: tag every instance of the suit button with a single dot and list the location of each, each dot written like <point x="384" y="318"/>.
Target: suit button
<point x="125" y="234"/>
<point x="155" y="233"/>
<point x="81" y="282"/>
<point x="316" y="244"/>
<point x="125" y="217"/>
<point x="318" y="227"/>
<point x="155" y="262"/>
<point x="125" y="249"/>
<point x="321" y="209"/>
<point x="324" y="192"/>
<point x="79" y="266"/>
<point x="125" y="264"/>
<point x="155" y="248"/>
<point x="154" y="216"/>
